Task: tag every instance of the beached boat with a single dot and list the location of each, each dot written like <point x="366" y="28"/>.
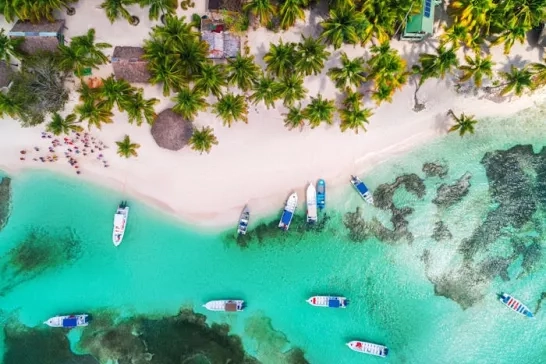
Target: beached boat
<point x="120" y="222"/>
<point x="311" y="204"/>
<point x="321" y="194"/>
<point x="225" y="305"/>
<point x="362" y="190"/>
<point x="368" y="348"/>
<point x="243" y="221"/>
<point x="68" y="321"/>
<point x="328" y="301"/>
<point x="288" y="212"/>
<point x="515" y="305"/>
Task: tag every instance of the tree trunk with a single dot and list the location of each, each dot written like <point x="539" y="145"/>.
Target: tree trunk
<point x="417" y="106"/>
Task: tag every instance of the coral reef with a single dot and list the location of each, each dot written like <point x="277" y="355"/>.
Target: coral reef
<point x="448" y="195"/>
<point x="441" y="232"/>
<point x="435" y="170"/>
<point x="5" y="201"/>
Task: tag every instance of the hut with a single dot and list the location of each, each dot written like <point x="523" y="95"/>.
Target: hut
<point x="418" y="26"/>
<point x="39" y="37"/>
<point x="129" y="64"/>
<point x="171" y="131"/>
<point x="6" y="74"/>
<point x="222" y="43"/>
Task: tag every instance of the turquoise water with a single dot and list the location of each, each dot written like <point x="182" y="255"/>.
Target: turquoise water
<point x="163" y="266"/>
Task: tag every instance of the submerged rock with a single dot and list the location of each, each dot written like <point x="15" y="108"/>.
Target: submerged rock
<point x="5" y="201"/>
<point x="383" y="195"/>
<point x="441" y="232"/>
<point x="448" y="195"/>
<point x="435" y="170"/>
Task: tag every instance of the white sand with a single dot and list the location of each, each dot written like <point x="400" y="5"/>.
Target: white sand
<point x="262" y="162"/>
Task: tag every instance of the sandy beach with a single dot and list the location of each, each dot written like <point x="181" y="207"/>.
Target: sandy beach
<point x="261" y="162"/>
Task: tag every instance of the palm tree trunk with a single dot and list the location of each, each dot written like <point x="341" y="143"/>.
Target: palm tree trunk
<point x="452" y="114"/>
<point x="417" y="106"/>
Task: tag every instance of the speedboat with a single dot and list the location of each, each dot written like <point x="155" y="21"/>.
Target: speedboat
<point x="288" y="212"/>
<point x="515" y="305"/>
<point x="311" y="204"/>
<point x="328" y="301"/>
<point x="368" y="348"/>
<point x="120" y="222"/>
<point x="321" y="194"/>
<point x="68" y="321"/>
<point x="243" y="221"/>
<point x="225" y="305"/>
<point x="362" y="190"/>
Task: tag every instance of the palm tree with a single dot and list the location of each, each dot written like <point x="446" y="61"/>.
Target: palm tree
<point x="387" y="69"/>
<point x="192" y="56"/>
<point x="463" y="123"/>
<point x="310" y="57"/>
<point x="281" y="58"/>
<point x="118" y="92"/>
<point x="203" y="139"/>
<point x="319" y="111"/>
<point x="354" y="118"/>
<point x="437" y="65"/>
<point x="116" y="9"/>
<point x="159" y="7"/>
<point x="8" y="106"/>
<point x="86" y="45"/>
<point x="517" y="80"/>
<point x="166" y="71"/>
<point x="9" y="47"/>
<point x="211" y="79"/>
<point x="242" y="72"/>
<point x="262" y="9"/>
<point x="189" y="102"/>
<point x="343" y="26"/>
<point x="294" y="118"/>
<point x="126" y="148"/>
<point x="353" y="99"/>
<point x="291" y="89"/>
<point x="89" y="94"/>
<point x="139" y="109"/>
<point x="351" y="72"/>
<point x="96" y="114"/>
<point x="513" y="32"/>
<point x="290" y="11"/>
<point x="174" y="32"/>
<point x="59" y="125"/>
<point x="266" y="90"/>
<point x="539" y="73"/>
<point x="476" y="69"/>
<point x="475" y="14"/>
<point x="383" y="92"/>
<point x="231" y="108"/>
<point x="35" y="11"/>
<point x="456" y="35"/>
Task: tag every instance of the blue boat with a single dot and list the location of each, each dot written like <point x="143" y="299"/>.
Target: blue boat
<point x="288" y="212"/>
<point x="321" y="194"/>
<point x="515" y="305"/>
<point x="362" y="190"/>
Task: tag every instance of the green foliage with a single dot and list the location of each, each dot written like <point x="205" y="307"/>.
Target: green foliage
<point x="34" y="11"/>
<point x="517" y="80"/>
<point x="345" y="25"/>
<point x="464" y="123"/>
<point x="203" y="139"/>
<point x="9" y="47"/>
<point x="477" y="69"/>
<point x="126" y="148"/>
<point x="290" y="11"/>
<point x="242" y="72"/>
<point x="116" y="9"/>
<point x="387" y="70"/>
<point x="159" y="7"/>
<point x="319" y="110"/>
<point x="189" y="102"/>
<point x="281" y="58"/>
<point x="231" y="108"/>
<point x="140" y="109"/>
<point x="354" y="116"/>
<point x="264" y="10"/>
<point x="118" y="92"/>
<point x="310" y="57"/>
<point x="96" y="113"/>
<point x="436" y="65"/>
<point x="350" y="74"/>
<point x="59" y="125"/>
<point x="211" y="79"/>
<point x="295" y="118"/>
<point x="82" y="52"/>
<point x="291" y="89"/>
<point x="266" y="90"/>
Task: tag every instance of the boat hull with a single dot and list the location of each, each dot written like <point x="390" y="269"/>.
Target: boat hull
<point x="328" y="301"/>
<point x="288" y="212"/>
<point x="243" y="221"/>
<point x="225" y="305"/>
<point x="68" y="321"/>
<point x="311" y="204"/>
<point x="515" y="305"/>
<point x="120" y="224"/>
<point x="368" y="348"/>
<point x="362" y="190"/>
<point x="321" y="194"/>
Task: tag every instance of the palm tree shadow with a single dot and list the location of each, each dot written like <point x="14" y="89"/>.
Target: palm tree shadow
<point x="516" y="61"/>
<point x="441" y="122"/>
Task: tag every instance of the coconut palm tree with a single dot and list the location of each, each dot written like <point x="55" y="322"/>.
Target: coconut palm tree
<point x="311" y="55"/>
<point x="385" y="18"/>
<point x="88" y="93"/>
<point x="261" y="9"/>
<point x="344" y="25"/>
<point x="456" y="35"/>
<point x="512" y="32"/>
<point x="59" y="125"/>
<point x="159" y="7"/>
<point x="538" y="70"/>
<point x="387" y="69"/>
<point x="382" y="92"/>
<point x="36" y="11"/>
<point x="174" y="32"/>
<point x="231" y="108"/>
<point x="281" y="58"/>
<point x="294" y="118"/>
<point x="188" y="102"/>
<point x="211" y="79"/>
<point x="463" y="123"/>
<point x="203" y="139"/>
<point x="192" y="55"/>
<point x="350" y="74"/>
<point x="166" y="71"/>
<point x="9" y="47"/>
<point x="9" y="107"/>
<point x="354" y="118"/>
<point x="319" y="110"/>
<point x="86" y="44"/>
<point x="353" y="99"/>
<point x="116" y="9"/>
<point x="139" y="109"/>
<point x="291" y="89"/>
<point x="266" y="90"/>
<point x="290" y="11"/>
<point x="517" y="80"/>
<point x="477" y="69"/>
<point x="242" y="72"/>
<point x="437" y="65"/>
<point x="126" y="148"/>
<point x="96" y="114"/>
<point x="475" y="14"/>
<point x="118" y="92"/>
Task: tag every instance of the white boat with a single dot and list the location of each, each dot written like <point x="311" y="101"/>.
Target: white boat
<point x="243" y="221"/>
<point x="368" y="348"/>
<point x="328" y="301"/>
<point x="515" y="305"/>
<point x="225" y="305"/>
<point x="311" y="204"/>
<point x="362" y="190"/>
<point x="288" y="212"/>
<point x="120" y="222"/>
<point x="68" y="321"/>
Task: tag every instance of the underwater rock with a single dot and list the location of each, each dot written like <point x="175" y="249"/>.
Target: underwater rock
<point x="448" y="195"/>
<point x="5" y="201"/>
<point x="493" y="267"/>
<point x="435" y="170"/>
<point x="539" y="302"/>
<point x="383" y="195"/>
<point x="359" y="230"/>
<point x="463" y="285"/>
<point x="441" y="232"/>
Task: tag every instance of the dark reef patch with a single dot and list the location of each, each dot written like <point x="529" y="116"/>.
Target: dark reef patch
<point x="441" y="231"/>
<point x="435" y="170"/>
<point x="5" y="201"/>
<point x="539" y="302"/>
<point x="448" y="195"/>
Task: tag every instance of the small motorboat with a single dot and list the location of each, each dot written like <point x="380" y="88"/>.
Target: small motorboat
<point x="68" y="321"/>
<point x="311" y="204"/>
<point x="321" y="194"/>
<point x="515" y="305"/>
<point x="225" y="305"/>
<point x="120" y="222"/>
<point x="288" y="212"/>
<point x="362" y="190"/>
<point x="243" y="221"/>
<point x="368" y="348"/>
<point x="328" y="301"/>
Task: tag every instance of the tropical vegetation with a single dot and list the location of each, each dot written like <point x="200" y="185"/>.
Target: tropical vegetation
<point x="231" y="108"/>
<point x="463" y="123"/>
<point x="126" y="148"/>
<point x="350" y="74"/>
<point x="294" y="118"/>
<point x="59" y="125"/>
<point x="319" y="110"/>
<point x="202" y="140"/>
<point x="242" y="72"/>
<point x="82" y="52"/>
<point x="34" y="11"/>
<point x="188" y="102"/>
<point x="9" y="47"/>
<point x="159" y="8"/>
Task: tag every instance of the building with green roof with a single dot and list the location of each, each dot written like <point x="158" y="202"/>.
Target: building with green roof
<point x="420" y="25"/>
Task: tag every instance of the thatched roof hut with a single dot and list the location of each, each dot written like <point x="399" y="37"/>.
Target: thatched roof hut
<point x="229" y="5"/>
<point x="6" y="74"/>
<point x="39" y="37"/>
<point x="129" y="65"/>
<point x="171" y="131"/>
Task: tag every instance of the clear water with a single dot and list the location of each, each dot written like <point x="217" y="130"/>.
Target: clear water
<point x="163" y="265"/>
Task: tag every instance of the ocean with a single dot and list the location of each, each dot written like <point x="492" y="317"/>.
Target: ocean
<point x="455" y="223"/>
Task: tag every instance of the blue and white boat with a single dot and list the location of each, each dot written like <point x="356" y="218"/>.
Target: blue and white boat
<point x="288" y="212"/>
<point x="321" y="194"/>
<point x="515" y="305"/>
<point x="68" y="321"/>
<point x="243" y="221"/>
<point x="365" y="347"/>
<point x="362" y="190"/>
<point x="328" y="301"/>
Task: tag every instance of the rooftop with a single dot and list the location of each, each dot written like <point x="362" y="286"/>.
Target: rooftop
<point x="26" y="28"/>
<point x="129" y="65"/>
<point x="222" y="43"/>
<point x="421" y="24"/>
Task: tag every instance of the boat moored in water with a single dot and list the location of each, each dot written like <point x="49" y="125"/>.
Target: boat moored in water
<point x="321" y="194"/>
<point x="311" y="204"/>
<point x="362" y="190"/>
<point x="225" y="305"/>
<point x="328" y="301"/>
<point x="120" y="223"/>
<point x="288" y="212"/>
<point x="515" y="305"/>
<point x="243" y="221"/>
<point x="368" y="348"/>
<point x="68" y="321"/>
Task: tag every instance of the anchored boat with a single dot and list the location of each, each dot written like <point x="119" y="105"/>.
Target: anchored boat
<point x="368" y="348"/>
<point x="311" y="204"/>
<point x="225" y="305"/>
<point x="328" y="301"/>
<point x="243" y="221"/>
<point x="362" y="190"/>
<point x="68" y="321"/>
<point x="321" y="194"/>
<point x="515" y="305"/>
<point x="288" y="212"/>
<point x="120" y="222"/>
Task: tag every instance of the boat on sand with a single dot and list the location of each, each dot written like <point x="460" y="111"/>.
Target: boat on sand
<point x="120" y="222"/>
<point x="288" y="212"/>
<point x="225" y="305"/>
<point x="311" y="204"/>
<point x="243" y="221"/>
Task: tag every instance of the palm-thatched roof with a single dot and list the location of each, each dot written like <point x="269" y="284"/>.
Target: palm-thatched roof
<point x="6" y="74"/>
<point x="39" y="37"/>
<point x="229" y="5"/>
<point x="171" y="131"/>
<point x="129" y="65"/>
